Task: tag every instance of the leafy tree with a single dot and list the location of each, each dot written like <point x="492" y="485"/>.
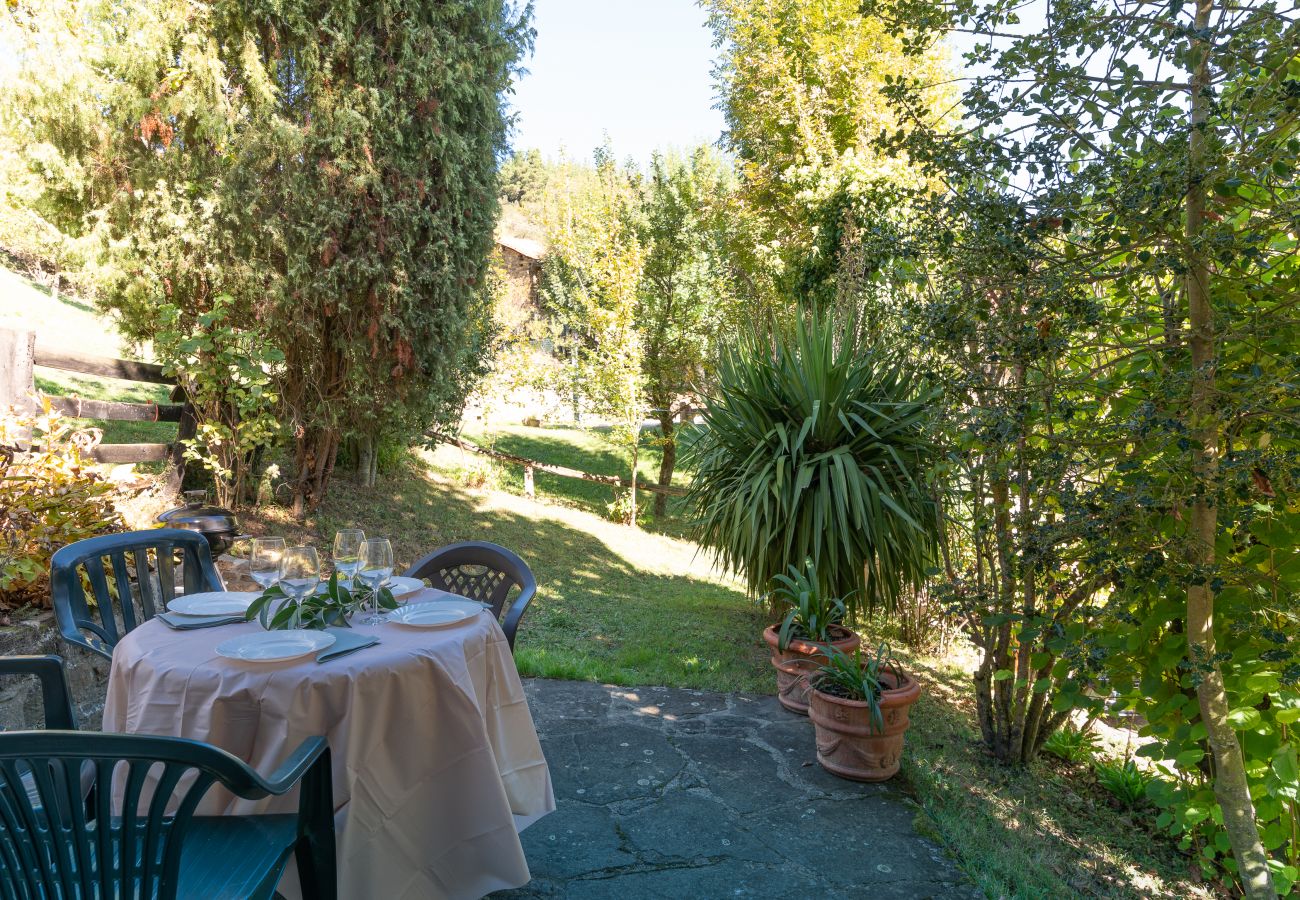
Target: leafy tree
<point x="687" y="289"/>
<point x="328" y="169"/>
<point x="801" y="88"/>
<point x="590" y="286"/>
<point x="1148" y="154"/>
<point x="522" y="177"/>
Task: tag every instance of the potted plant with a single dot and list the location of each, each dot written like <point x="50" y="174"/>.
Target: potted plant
<point x="859" y="710"/>
<point x="812" y="620"/>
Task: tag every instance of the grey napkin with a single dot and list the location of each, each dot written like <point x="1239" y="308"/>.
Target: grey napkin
<point x="345" y="641"/>
<point x="187" y="623"/>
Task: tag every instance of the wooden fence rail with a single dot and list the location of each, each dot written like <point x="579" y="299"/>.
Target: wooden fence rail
<point x="19" y="354"/>
<point x="532" y="465"/>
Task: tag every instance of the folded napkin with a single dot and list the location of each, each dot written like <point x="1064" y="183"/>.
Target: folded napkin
<point x="345" y="641"/>
<point x="187" y="623"/>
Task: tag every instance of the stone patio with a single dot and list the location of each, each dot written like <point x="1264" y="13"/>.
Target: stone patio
<point x="689" y="794"/>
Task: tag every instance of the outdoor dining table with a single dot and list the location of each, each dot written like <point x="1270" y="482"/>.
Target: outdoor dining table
<point x="437" y="765"/>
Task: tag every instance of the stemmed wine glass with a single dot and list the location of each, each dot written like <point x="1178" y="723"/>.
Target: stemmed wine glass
<point x="264" y="560"/>
<point x="347" y="551"/>
<point x="299" y="572"/>
<point x="376" y="567"/>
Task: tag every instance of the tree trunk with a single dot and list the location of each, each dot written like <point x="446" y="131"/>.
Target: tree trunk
<point x="313" y="463"/>
<point x="669" y="461"/>
<point x="636" y="448"/>
<point x="366" y="461"/>
<point x="1231" y="787"/>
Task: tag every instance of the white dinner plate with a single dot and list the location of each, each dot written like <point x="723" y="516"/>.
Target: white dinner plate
<point x="435" y="613"/>
<point x="273" y="646"/>
<point x="213" y="603"/>
<point x="400" y="585"/>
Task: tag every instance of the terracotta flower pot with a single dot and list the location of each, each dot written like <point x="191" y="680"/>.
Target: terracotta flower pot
<point x="848" y="744"/>
<point x="795" y="662"/>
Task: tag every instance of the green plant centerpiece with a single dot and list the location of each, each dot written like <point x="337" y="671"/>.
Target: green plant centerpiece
<point x="812" y="619"/>
<point x="859" y="706"/>
<point x="332" y="606"/>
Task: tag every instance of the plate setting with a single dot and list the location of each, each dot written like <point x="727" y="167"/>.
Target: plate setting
<point x="275" y="646"/>
<point x="213" y="603"/>
<point x="435" y="613"/>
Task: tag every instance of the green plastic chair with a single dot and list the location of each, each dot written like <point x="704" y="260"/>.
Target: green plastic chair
<point x="55" y="696"/>
<point x="143" y="566"/>
<point x="153" y="847"/>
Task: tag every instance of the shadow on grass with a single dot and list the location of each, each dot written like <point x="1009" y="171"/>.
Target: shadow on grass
<point x="614" y="604"/>
<point x="587" y="450"/>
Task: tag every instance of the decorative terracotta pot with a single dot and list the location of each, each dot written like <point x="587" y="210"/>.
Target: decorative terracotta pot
<point x="848" y="744"/>
<point x="795" y="662"/>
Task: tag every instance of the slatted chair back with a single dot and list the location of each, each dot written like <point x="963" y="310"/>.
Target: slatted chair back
<point x="56" y="699"/>
<point x="104" y="587"/>
<point x="56" y="845"/>
<point x="485" y="572"/>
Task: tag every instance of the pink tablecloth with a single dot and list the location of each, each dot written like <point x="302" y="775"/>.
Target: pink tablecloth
<point x="436" y="761"/>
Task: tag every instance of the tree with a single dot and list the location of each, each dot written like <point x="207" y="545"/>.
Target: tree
<point x="328" y="169"/>
<point x="802" y="91"/>
<point x="687" y="290"/>
<point x="590" y="285"/>
<point x="1152" y="150"/>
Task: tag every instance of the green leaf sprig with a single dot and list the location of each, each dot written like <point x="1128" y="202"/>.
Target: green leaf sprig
<point x="333" y="606"/>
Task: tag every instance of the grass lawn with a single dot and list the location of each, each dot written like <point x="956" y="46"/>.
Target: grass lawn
<point x="625" y="606"/>
<point x="588" y="450"/>
<point x="69" y="323"/>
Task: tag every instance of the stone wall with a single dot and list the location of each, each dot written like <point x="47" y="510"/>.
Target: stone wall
<point x="20" y="698"/>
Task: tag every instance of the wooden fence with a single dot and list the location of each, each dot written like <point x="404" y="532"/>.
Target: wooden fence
<point x="532" y="465"/>
<point x="19" y="352"/>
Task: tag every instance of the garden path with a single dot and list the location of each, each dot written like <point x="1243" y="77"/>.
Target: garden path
<point x="676" y="793"/>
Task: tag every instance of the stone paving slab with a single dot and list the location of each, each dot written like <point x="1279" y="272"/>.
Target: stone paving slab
<point x="666" y="793"/>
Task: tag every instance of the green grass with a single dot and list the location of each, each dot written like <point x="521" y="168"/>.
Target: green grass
<point x="614" y="604"/>
<point x="68" y="323"/>
<point x="588" y="450"/>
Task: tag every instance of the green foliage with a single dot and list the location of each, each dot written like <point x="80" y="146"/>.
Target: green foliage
<point x="855" y="677"/>
<point x="48" y="498"/>
<point x="321" y="176"/>
<point x="334" y="605"/>
<point x="809" y="614"/>
<point x="817" y="447"/>
<point x="1125" y="781"/>
<point x="803" y="89"/>
<point x="227" y="372"/>
<point x="522" y="177"/>
<point x="1073" y="745"/>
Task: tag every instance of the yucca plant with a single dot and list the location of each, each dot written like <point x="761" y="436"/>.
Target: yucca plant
<point x="817" y="446"/>
<point x="810" y="614"/>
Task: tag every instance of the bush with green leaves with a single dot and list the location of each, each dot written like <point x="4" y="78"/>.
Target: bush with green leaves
<point x="817" y="446"/>
<point x="810" y="613"/>
<point x="48" y="498"/>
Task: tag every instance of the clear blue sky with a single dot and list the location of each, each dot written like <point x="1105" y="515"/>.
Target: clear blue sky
<point x="637" y="70"/>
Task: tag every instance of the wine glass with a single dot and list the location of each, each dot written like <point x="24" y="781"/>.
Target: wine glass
<point x="299" y="572"/>
<point x="264" y="560"/>
<point x="376" y="567"/>
<point x="347" y="551"/>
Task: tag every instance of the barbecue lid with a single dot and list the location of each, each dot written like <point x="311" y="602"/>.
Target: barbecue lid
<point x="198" y="515"/>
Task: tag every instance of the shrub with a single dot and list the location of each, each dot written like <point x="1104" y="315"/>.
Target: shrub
<point x="48" y="498"/>
<point x="1074" y="745"/>
<point x="817" y="446"/>
<point x="1126" y="782"/>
